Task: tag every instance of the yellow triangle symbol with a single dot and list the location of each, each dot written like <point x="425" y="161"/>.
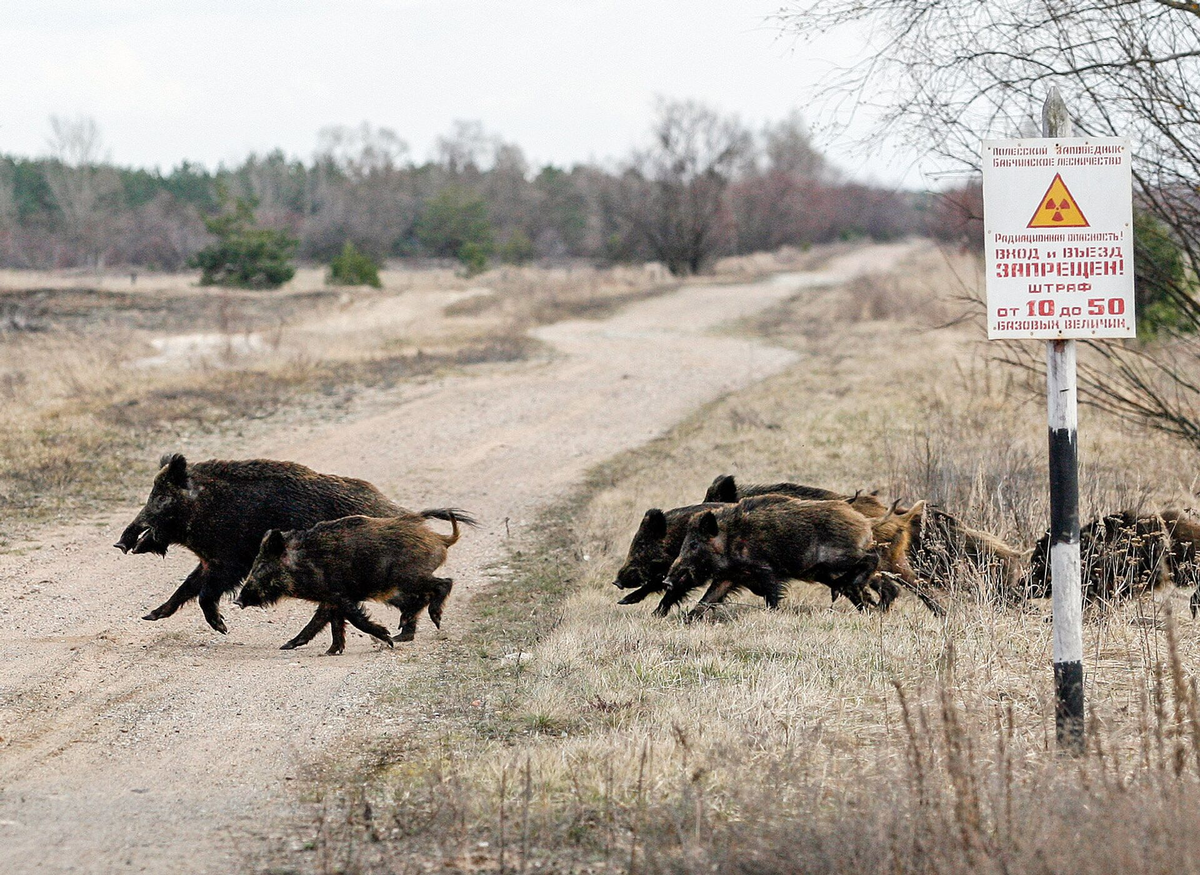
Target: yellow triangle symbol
<point x="1057" y="208"/>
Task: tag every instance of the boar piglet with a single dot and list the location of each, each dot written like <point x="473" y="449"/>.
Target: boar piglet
<point x="342" y="563"/>
<point x="762" y="545"/>
<point x="220" y="510"/>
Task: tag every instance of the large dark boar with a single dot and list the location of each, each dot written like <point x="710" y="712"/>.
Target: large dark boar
<point x="763" y="545"/>
<point x="342" y="563"/>
<point x="221" y="510"/>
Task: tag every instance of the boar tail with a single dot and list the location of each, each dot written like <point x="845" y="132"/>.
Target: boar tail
<point x="450" y="514"/>
<point x="454" y="516"/>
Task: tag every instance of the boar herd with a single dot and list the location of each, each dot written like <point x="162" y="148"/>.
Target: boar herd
<point x="288" y="531"/>
<point x="269" y="530"/>
<point x="760" y="537"/>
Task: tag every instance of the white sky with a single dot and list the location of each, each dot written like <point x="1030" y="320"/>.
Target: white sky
<point x="567" y="80"/>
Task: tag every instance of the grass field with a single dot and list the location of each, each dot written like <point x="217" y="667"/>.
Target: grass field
<point x="565" y="733"/>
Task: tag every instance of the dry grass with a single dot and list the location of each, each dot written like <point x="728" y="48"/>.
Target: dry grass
<point x="814" y="739"/>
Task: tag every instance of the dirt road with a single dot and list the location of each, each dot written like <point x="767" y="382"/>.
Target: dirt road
<point x="163" y="747"/>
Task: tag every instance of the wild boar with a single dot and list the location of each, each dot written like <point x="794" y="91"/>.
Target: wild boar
<point x="942" y="541"/>
<point x="342" y="563"/>
<point x="766" y="544"/>
<point x="220" y="510"/>
<point x="654" y="547"/>
<point x="1122" y="555"/>
<point x="726" y="490"/>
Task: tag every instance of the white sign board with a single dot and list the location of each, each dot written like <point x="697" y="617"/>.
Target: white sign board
<point x="1058" y="232"/>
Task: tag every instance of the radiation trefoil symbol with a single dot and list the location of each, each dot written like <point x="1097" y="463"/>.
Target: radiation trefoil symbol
<point x="1057" y="208"/>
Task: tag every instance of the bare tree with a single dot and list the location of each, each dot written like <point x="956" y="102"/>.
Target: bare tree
<point x="465" y="147"/>
<point x="82" y="183"/>
<point x="674" y="193"/>
<point x="946" y="73"/>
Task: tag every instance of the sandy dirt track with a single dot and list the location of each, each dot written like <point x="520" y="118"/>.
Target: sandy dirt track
<point x="163" y="747"/>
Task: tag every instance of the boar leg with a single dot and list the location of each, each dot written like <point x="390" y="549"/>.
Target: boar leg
<point x="716" y="593"/>
<point x="337" y="625"/>
<point x="218" y="581"/>
<point x="359" y="620"/>
<point x="853" y="583"/>
<point x="441" y="592"/>
<point x="188" y="590"/>
<point x="410" y="606"/>
<point x="320" y="618"/>
<point x="673" y="596"/>
<point x="206" y="582"/>
<point x="640" y="593"/>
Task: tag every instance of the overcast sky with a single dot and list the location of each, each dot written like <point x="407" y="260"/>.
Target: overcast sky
<point x="568" y="80"/>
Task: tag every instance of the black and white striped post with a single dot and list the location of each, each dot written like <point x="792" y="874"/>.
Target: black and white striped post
<point x="1061" y="406"/>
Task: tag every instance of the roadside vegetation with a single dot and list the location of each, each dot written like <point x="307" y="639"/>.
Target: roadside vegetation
<point x="565" y="733"/>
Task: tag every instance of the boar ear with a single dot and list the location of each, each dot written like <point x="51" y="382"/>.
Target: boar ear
<point x="655" y="523"/>
<point x="176" y="466"/>
<point x="723" y="489"/>
<point x="272" y="544"/>
<point x="707" y="524"/>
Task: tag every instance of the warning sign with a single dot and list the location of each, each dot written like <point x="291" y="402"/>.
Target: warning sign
<point x="1058" y="227"/>
<point x="1057" y="209"/>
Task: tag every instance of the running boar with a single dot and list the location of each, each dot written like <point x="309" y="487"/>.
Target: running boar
<point x="342" y="563"/>
<point x="725" y="489"/>
<point x="220" y="511"/>
<point x="1122" y="555"/>
<point x="763" y="545"/>
<point x="941" y="542"/>
<point x="654" y="547"/>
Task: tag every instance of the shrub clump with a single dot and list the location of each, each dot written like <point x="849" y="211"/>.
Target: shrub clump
<point x="244" y="256"/>
<point x="353" y="267"/>
<point x="455" y="224"/>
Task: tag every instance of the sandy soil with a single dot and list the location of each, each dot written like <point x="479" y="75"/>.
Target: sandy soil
<point x="135" y="746"/>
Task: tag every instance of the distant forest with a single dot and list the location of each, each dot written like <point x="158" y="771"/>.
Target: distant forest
<point x="704" y="186"/>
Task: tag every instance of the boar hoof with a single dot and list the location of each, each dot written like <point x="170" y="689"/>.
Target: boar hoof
<point x="156" y="614"/>
<point x="406" y="635"/>
<point x="334" y="650"/>
<point x="289" y="645"/>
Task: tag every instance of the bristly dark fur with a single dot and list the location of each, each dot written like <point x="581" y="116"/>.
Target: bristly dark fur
<point x="341" y="563"/>
<point x="727" y="490"/>
<point x="763" y="542"/>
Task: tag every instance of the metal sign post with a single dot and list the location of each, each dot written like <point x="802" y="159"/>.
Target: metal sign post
<point x="1058" y="216"/>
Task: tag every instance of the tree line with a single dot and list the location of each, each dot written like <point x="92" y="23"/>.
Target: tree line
<point x="704" y="185"/>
